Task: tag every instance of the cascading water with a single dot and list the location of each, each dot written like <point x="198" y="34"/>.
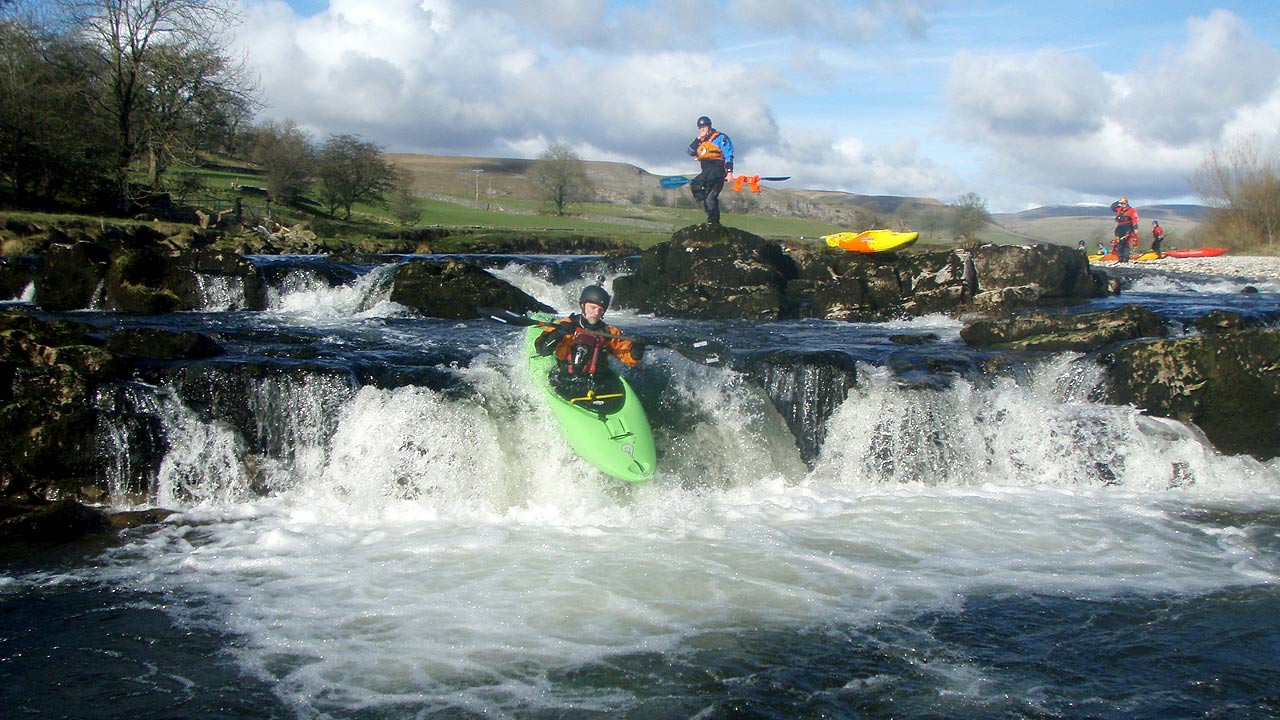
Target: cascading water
<point x="540" y="281"/>
<point x="974" y="546"/>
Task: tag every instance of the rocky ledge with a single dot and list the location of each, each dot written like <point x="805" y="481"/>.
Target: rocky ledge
<point x="49" y="372"/>
<point x="715" y="272"/>
<point x="1223" y="376"/>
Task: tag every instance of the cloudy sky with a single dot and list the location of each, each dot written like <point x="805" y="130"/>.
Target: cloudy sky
<point x="1023" y="103"/>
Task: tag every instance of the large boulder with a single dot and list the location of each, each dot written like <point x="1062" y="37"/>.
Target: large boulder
<point x="713" y="272"/>
<point x="48" y="373"/>
<point x="149" y="281"/>
<point x="455" y="290"/>
<point x="60" y="521"/>
<point x="72" y="275"/>
<point x="710" y="271"/>
<point x="1082" y="332"/>
<point x="1227" y="383"/>
<point x="1057" y="272"/>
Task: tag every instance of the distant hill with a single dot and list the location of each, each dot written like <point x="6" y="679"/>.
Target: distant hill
<point x="490" y="180"/>
<point x="1069" y="224"/>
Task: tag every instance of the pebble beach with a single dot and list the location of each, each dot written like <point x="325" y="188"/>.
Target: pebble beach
<point x="1261" y="268"/>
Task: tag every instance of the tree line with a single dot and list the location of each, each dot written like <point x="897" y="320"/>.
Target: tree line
<point x="1241" y="183"/>
<point x="101" y="100"/>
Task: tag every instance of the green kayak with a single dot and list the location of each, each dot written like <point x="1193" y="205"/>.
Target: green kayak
<point x="603" y="420"/>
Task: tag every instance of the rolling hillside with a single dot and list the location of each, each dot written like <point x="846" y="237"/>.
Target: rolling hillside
<point x="502" y="182"/>
<point x="1068" y="224"/>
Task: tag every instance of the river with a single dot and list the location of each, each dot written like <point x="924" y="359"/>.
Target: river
<point x="378" y="519"/>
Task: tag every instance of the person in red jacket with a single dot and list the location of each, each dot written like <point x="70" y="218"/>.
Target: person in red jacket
<point x="1157" y="237"/>
<point x="1126" y="228"/>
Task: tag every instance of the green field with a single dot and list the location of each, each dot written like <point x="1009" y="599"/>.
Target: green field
<point x="642" y="225"/>
<point x="451" y="198"/>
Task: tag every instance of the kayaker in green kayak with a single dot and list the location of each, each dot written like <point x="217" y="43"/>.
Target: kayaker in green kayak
<point x="582" y="344"/>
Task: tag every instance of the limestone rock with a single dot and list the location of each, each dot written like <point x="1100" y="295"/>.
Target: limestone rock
<point x="1227" y="383"/>
<point x="1060" y="331"/>
<point x="455" y="290"/>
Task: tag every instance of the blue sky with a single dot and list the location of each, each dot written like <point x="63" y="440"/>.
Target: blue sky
<point x="1026" y="104"/>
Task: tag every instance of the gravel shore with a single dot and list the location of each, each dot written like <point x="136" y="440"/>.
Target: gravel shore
<point x="1237" y="266"/>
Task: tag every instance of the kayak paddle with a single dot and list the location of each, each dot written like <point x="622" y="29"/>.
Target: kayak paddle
<point x="706" y="352"/>
<point x="672" y="182"/>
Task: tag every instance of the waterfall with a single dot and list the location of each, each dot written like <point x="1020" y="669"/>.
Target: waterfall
<point x="542" y="282"/>
<point x="1038" y="430"/>
<point x="220" y="293"/>
<point x="307" y="292"/>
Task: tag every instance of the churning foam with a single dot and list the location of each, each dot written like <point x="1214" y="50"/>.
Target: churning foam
<point x="432" y="547"/>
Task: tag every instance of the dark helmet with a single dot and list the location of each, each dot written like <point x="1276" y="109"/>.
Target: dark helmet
<point x="704" y="121"/>
<point x="594" y="294"/>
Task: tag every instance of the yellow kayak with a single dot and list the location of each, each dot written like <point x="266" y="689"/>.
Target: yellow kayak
<point x="871" y="241"/>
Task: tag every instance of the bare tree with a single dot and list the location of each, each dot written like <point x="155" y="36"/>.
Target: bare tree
<point x="931" y="221"/>
<point x="158" y="58"/>
<point x="352" y="170"/>
<point x="405" y="205"/>
<point x="1242" y="185"/>
<point x="288" y="156"/>
<point x="192" y="103"/>
<point x="969" y="215"/>
<point x="560" y="177"/>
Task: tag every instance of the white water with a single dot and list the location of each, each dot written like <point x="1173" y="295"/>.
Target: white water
<point x="561" y="297"/>
<point x="307" y="297"/>
<point x="421" y="551"/>
<point x="452" y="550"/>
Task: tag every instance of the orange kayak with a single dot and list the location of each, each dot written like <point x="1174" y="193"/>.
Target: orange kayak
<point x="870" y="242"/>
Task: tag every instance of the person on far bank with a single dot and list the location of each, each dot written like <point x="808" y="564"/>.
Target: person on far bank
<point x="1157" y="237"/>
<point x="714" y="151"/>
<point x="1126" y="228"/>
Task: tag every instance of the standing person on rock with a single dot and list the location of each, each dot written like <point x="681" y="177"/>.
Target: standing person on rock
<point x="714" y="151"/>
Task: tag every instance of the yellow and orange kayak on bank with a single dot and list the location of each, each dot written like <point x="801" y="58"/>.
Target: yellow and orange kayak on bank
<point x="871" y="242"/>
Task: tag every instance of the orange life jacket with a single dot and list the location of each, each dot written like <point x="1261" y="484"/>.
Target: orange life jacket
<point x="585" y="354"/>
<point x="709" y="150"/>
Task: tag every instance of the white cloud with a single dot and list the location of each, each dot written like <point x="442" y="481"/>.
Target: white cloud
<point x="451" y="79"/>
<point x="1187" y="95"/>
<point x="1057" y="120"/>
<point x="843" y="21"/>
<point x="1052" y="94"/>
<point x="866" y="110"/>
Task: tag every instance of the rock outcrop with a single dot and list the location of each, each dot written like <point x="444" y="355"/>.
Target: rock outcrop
<point x="711" y="271"/>
<point x="455" y="290"/>
<point x="1227" y="383"/>
<point x="49" y="373"/>
<point x="1083" y="332"/>
<point x="714" y="272"/>
<point x="805" y="388"/>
